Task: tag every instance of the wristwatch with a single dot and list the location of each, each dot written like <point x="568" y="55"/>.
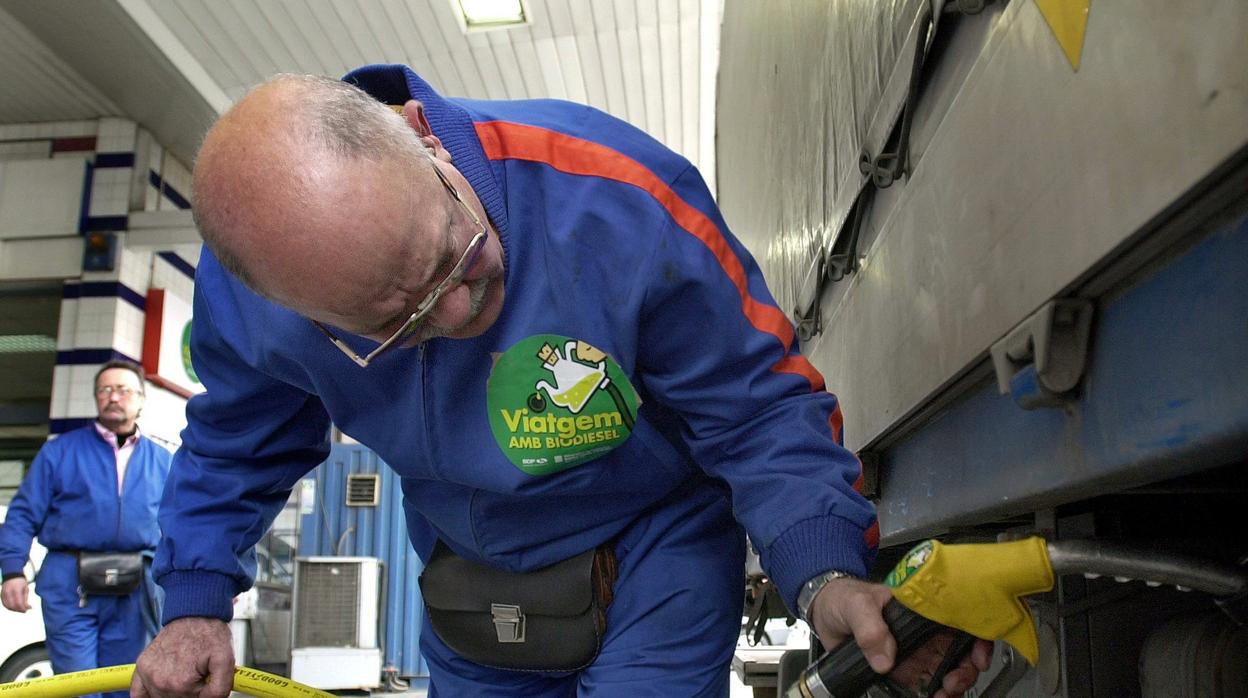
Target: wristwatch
<point x="811" y="589"/>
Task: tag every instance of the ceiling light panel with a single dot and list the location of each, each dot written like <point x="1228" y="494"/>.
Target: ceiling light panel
<point x="475" y="15"/>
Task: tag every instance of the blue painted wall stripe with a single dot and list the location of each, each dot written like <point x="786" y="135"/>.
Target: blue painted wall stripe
<point x="88" y="176"/>
<point x="89" y="356"/>
<point x="178" y="263"/>
<point x="105" y="289"/>
<point x="178" y="200"/>
<point x="114" y="159"/>
<point x="107" y="223"/>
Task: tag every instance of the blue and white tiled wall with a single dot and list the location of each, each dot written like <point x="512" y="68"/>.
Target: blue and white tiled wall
<point x="103" y="313"/>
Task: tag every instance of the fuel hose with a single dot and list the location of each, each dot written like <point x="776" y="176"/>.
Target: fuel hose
<point x="117" y="678"/>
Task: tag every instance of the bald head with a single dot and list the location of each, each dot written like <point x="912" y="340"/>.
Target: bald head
<point x="326" y="201"/>
<point x="280" y="169"/>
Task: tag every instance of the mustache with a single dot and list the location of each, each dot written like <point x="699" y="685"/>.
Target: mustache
<point x="476" y="301"/>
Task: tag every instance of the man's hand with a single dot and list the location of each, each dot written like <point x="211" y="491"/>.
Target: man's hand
<point x="16" y="595"/>
<point x="848" y="608"/>
<point x="190" y="657"/>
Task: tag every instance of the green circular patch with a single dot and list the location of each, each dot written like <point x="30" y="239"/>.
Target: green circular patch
<point x="556" y="402"/>
<point x="186" y="353"/>
<point x="908" y="565"/>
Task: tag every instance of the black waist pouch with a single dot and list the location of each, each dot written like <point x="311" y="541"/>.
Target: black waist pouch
<point x="551" y="619"/>
<point x="111" y="574"/>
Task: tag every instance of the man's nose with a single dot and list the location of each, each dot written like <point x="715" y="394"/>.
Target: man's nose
<point x="452" y="307"/>
<point x="478" y="269"/>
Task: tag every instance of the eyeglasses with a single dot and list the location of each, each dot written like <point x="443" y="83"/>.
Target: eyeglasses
<point x="111" y="390"/>
<point x="465" y="263"/>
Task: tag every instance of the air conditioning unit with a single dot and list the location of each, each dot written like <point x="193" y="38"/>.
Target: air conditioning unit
<point x="335" y="625"/>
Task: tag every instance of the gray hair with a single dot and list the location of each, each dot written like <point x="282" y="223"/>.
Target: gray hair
<point x="349" y="122"/>
<point x="334" y="117"/>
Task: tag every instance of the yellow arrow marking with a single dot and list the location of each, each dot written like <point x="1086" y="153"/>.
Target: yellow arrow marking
<point x="1069" y="20"/>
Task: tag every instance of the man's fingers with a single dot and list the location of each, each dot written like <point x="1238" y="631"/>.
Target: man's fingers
<point x="967" y="672"/>
<point x="981" y="655"/>
<point x="872" y="636"/>
<point x="15" y="601"/>
<point x="963" y="677"/>
<point x="848" y="607"/>
<point x="191" y="657"/>
<point x="959" y="680"/>
<point x="220" y="676"/>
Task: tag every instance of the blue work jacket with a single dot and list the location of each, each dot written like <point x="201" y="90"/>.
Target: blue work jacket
<point x="621" y="273"/>
<point x="69" y="499"/>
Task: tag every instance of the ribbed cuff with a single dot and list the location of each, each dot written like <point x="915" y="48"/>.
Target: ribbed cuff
<point x="13" y="575"/>
<point x="197" y="593"/>
<point x="810" y="548"/>
<point x="12" y="565"/>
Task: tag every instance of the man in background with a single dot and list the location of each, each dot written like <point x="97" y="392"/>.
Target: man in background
<point x="91" y="491"/>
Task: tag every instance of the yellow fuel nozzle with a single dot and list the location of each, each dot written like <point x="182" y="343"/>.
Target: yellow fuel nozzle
<point x="977" y="587"/>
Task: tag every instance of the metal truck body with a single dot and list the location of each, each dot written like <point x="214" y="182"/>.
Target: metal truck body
<point x="1014" y="237"/>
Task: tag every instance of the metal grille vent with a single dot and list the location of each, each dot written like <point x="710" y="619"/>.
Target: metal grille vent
<point x="363" y="490"/>
<point x="327" y="605"/>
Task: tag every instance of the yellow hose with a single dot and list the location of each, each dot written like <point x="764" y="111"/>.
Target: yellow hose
<point x="117" y="678"/>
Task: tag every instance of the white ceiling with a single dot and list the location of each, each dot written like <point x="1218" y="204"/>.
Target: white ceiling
<point x="37" y="85"/>
<point x="173" y="65"/>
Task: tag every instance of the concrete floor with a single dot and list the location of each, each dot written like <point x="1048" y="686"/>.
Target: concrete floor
<point x="737" y="690"/>
<point x="795" y="637"/>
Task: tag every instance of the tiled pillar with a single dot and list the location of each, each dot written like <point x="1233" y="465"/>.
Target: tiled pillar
<point x="103" y="313"/>
<point x="166" y="186"/>
<point x="107" y="169"/>
<point x="98" y="304"/>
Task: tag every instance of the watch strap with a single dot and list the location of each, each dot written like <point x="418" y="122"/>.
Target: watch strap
<point x="806" y="596"/>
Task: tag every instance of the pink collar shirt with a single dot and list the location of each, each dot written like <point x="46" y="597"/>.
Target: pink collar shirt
<point x="122" y="453"/>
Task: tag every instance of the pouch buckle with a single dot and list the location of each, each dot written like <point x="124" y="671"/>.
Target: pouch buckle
<point x="508" y="622"/>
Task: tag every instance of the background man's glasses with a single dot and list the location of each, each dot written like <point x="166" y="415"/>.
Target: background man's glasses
<point x="118" y="390"/>
<point x="465" y="263"/>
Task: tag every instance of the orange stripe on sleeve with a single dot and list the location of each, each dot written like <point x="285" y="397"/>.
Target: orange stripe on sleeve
<point x="872" y="536"/>
<point x="837" y="421"/>
<point x="504" y="140"/>
<point x="796" y="363"/>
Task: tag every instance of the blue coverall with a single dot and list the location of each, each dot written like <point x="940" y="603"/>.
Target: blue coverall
<point x="70" y="501"/>
<point x="639" y="388"/>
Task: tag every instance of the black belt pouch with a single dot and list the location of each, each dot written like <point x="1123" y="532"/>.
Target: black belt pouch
<point x="110" y="574"/>
<point x="546" y="620"/>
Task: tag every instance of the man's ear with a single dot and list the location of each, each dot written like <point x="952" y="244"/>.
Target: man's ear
<point x="414" y="114"/>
